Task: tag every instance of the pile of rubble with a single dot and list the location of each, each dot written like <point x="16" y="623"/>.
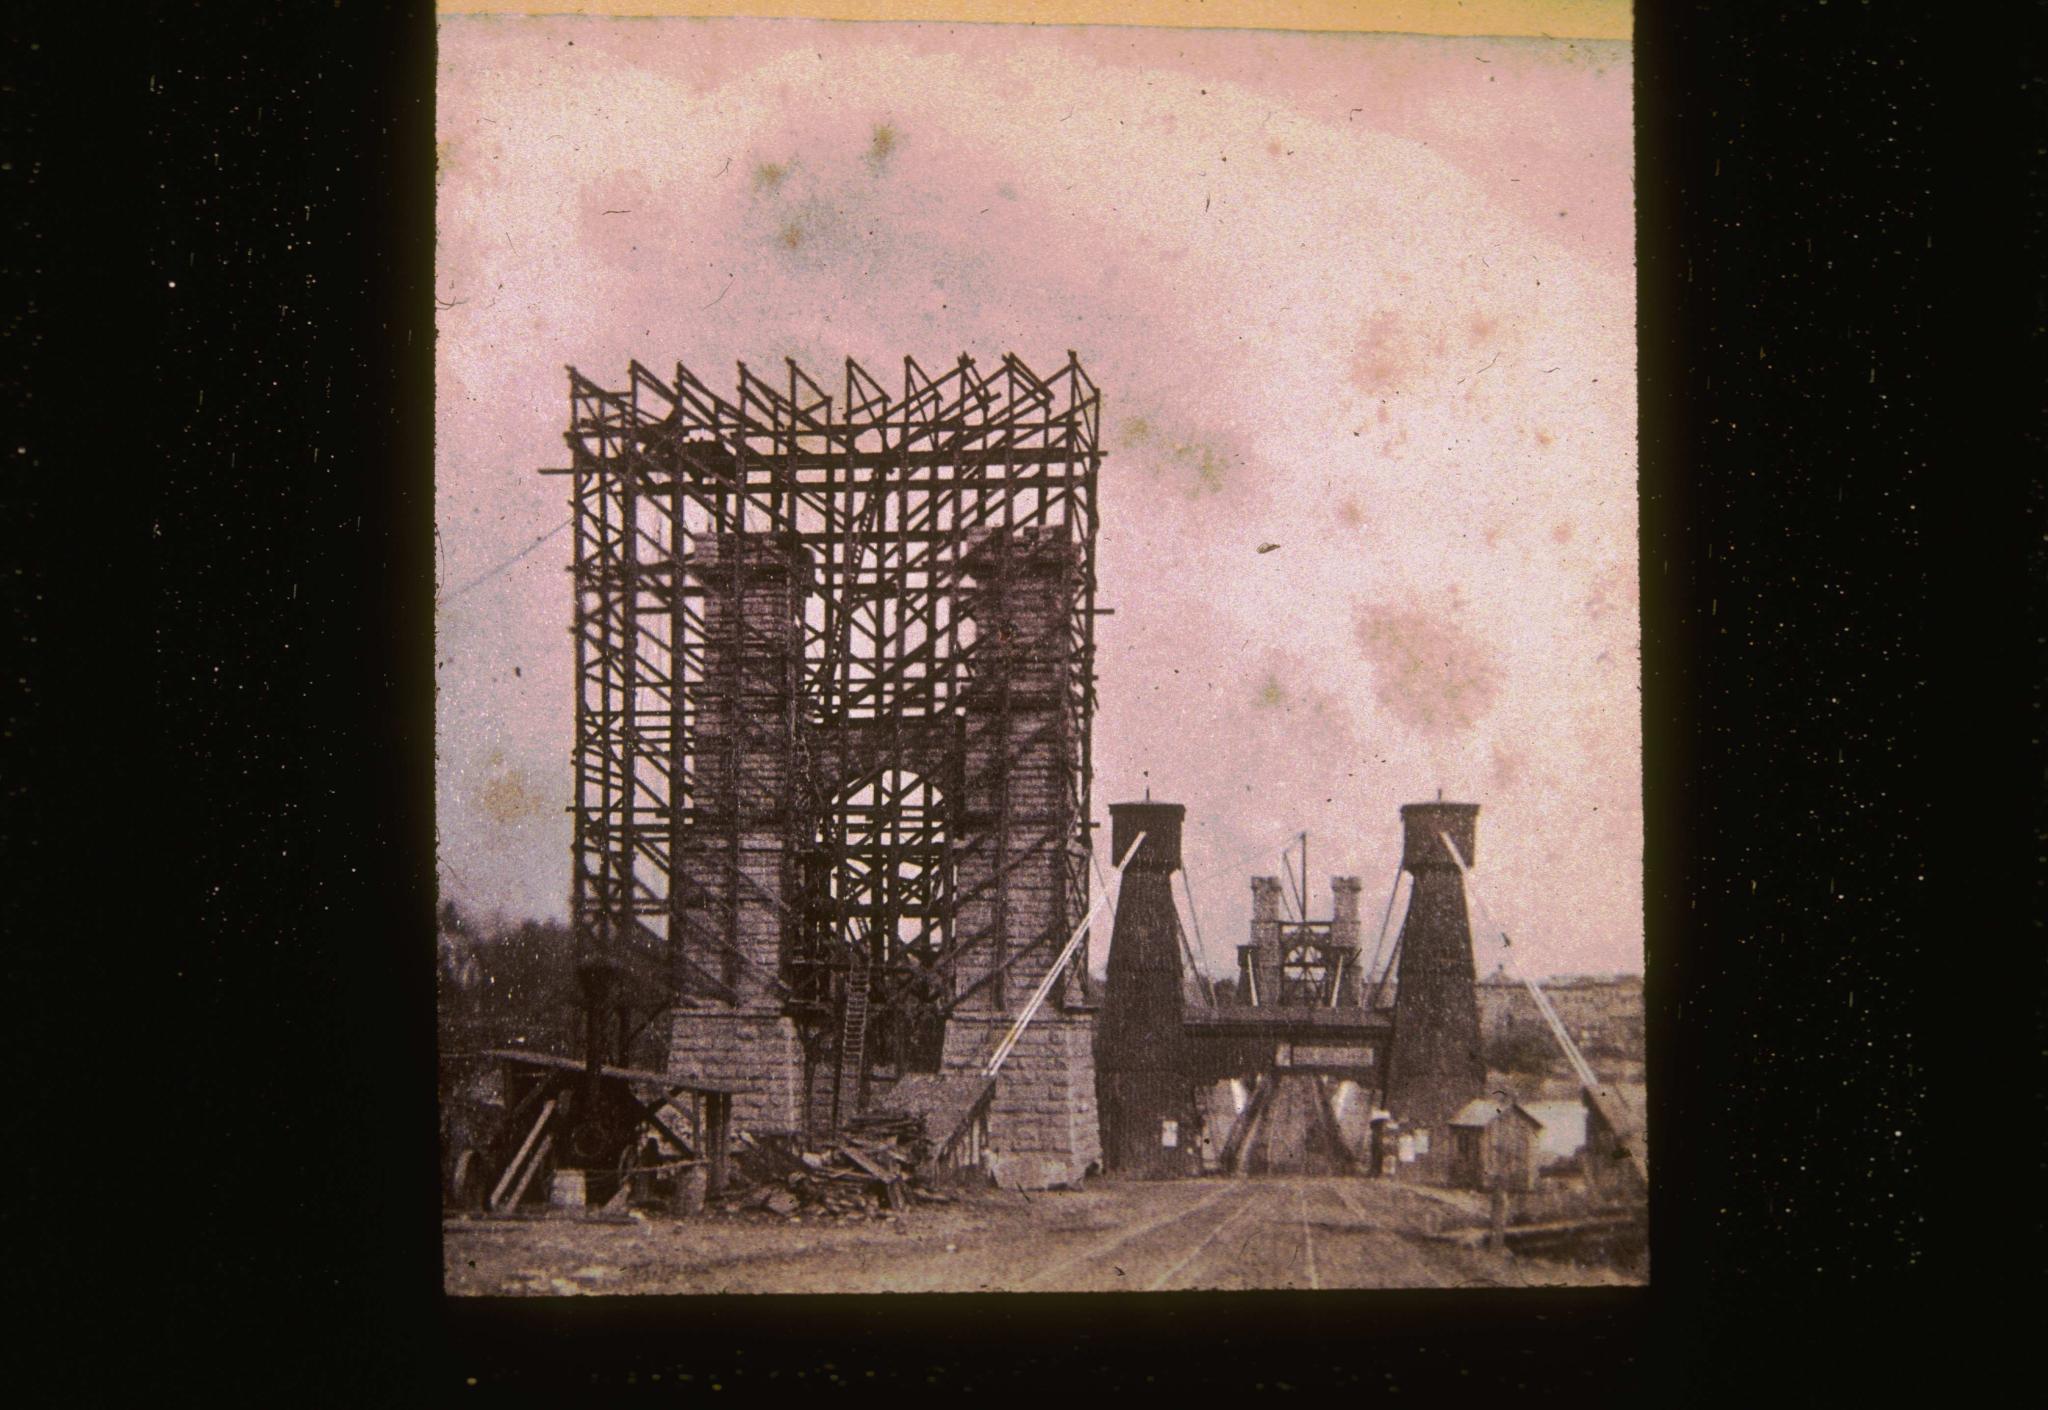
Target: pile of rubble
<point x="872" y="1168"/>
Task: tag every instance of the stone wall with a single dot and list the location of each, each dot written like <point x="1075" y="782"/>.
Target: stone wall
<point x="1009" y="763"/>
<point x="754" y="1050"/>
<point x="1043" y="1127"/>
<point x="743" y="773"/>
<point x="1020" y="756"/>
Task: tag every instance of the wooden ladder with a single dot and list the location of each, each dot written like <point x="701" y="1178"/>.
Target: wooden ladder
<point x="853" y="1044"/>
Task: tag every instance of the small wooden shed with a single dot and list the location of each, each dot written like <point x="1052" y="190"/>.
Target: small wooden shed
<point x="538" y="1113"/>
<point x="1494" y="1145"/>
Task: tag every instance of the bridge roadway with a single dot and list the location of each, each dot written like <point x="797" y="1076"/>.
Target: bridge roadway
<point x="1306" y="1232"/>
<point x="1276" y="1232"/>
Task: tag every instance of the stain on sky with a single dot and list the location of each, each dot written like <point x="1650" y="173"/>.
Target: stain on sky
<point x="1613" y="590"/>
<point x="508" y="796"/>
<point x="882" y="145"/>
<point x="1289" y="685"/>
<point x="1198" y="468"/>
<point x="1195" y="466"/>
<point x="1380" y="362"/>
<point x="1427" y="670"/>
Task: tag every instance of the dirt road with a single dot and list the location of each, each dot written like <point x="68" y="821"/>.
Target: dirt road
<point x="1304" y="1232"/>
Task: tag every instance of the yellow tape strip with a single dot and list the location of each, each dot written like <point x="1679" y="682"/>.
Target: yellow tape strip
<point x="1553" y="19"/>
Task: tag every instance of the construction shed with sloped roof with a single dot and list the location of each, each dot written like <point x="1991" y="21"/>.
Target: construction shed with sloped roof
<point x="1494" y="1146"/>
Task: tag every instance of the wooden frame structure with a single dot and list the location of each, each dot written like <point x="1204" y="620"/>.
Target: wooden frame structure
<point x="787" y="604"/>
<point x="553" y="1100"/>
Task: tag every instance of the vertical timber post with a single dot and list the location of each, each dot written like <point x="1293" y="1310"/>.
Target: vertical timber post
<point x="717" y="1140"/>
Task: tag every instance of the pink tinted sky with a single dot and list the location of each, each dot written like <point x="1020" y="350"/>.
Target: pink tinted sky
<point x="1369" y="298"/>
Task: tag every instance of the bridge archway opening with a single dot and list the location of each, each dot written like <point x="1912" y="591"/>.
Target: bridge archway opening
<point x="888" y="886"/>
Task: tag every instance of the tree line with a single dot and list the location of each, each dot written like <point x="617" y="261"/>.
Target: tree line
<point x="506" y="984"/>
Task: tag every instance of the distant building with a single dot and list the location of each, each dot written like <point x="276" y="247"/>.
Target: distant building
<point x="1603" y="1013"/>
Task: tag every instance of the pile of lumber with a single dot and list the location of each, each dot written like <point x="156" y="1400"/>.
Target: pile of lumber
<point x="901" y="1133"/>
<point x="862" y="1174"/>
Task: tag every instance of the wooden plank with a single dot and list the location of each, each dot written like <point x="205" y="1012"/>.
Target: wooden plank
<point x="669" y="1121"/>
<point x="1512" y="1234"/>
<point x="504" y="1181"/>
<point x="533" y="1094"/>
<point x="662" y="1080"/>
<point x="717" y="1138"/>
<point x="547" y="1144"/>
<point x="887" y="1177"/>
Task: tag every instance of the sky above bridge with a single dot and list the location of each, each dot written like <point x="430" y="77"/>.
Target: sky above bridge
<point x="1362" y="311"/>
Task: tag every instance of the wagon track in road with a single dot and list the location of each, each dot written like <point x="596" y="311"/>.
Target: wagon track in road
<point x="1400" y="1257"/>
<point x="1308" y="1238"/>
<point x="1278" y="1248"/>
<point x="1267" y="1236"/>
<point x="1270" y="1232"/>
<point x="1090" y="1255"/>
<point x="1344" y="1198"/>
<point x="1246" y="1206"/>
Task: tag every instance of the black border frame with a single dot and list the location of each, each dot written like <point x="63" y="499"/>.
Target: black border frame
<point x="284" y="158"/>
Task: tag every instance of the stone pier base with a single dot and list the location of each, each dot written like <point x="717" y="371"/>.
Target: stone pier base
<point x="1043" y="1128"/>
<point x="754" y="1051"/>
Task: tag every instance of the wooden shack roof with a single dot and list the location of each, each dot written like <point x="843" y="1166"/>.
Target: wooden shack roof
<point x="943" y="1101"/>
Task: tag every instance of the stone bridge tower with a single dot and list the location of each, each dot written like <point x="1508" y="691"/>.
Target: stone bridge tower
<point x="835" y="690"/>
<point x="1434" y="1065"/>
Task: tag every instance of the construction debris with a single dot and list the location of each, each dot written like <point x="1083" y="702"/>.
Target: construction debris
<point x="865" y="1174"/>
